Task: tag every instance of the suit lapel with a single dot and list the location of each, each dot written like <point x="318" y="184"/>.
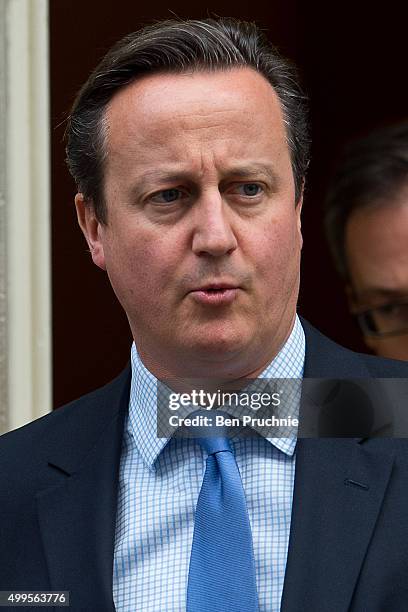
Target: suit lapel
<point x="77" y="515"/>
<point x="339" y="488"/>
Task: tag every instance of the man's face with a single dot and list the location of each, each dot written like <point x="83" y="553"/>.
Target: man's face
<point x="202" y="243"/>
<point x="377" y="255"/>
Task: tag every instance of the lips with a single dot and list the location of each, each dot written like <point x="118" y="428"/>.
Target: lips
<point x="215" y="294"/>
<point x="216" y="287"/>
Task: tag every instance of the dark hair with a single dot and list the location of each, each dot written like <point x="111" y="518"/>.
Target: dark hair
<point x="371" y="171"/>
<point x="178" y="46"/>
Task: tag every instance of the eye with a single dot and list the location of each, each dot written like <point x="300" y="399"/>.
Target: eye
<point x="389" y="309"/>
<point x="249" y="190"/>
<point x="167" y="196"/>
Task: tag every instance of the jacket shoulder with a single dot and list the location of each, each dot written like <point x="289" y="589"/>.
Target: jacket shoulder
<point x="71" y="424"/>
<point x="385" y="368"/>
<point x="327" y="359"/>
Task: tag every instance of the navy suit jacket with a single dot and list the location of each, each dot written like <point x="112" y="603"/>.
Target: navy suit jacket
<point x="348" y="545"/>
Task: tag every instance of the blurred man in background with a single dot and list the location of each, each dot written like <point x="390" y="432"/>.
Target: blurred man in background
<point x="366" y="224"/>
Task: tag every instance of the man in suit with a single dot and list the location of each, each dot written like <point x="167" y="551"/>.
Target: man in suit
<point x="188" y="144"/>
<point x="366" y="224"/>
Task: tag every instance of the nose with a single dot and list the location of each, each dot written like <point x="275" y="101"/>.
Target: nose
<point x="213" y="233"/>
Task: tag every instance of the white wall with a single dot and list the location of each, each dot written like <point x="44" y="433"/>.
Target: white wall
<point x="25" y="263"/>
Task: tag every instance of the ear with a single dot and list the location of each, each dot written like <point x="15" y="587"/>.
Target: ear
<point x="91" y="228"/>
<point x="299" y="205"/>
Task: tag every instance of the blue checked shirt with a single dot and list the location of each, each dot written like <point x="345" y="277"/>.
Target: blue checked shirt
<point x="159" y="483"/>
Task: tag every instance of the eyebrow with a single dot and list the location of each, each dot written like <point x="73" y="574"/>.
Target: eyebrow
<point x="253" y="170"/>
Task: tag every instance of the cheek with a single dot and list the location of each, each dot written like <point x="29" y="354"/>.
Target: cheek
<point x="139" y="268"/>
<point x="392" y="348"/>
<point x="279" y="251"/>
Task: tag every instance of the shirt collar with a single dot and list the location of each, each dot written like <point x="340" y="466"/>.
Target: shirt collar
<point x="141" y="423"/>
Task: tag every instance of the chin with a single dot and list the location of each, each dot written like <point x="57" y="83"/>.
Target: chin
<point x="220" y="344"/>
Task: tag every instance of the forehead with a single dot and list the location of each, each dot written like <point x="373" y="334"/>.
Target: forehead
<point x="229" y="104"/>
<point x="377" y="245"/>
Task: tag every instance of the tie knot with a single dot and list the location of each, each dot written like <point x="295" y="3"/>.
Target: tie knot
<point x="212" y="438"/>
<point x="214" y="445"/>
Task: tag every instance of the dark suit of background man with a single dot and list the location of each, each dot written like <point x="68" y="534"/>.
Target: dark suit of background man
<point x="188" y="145"/>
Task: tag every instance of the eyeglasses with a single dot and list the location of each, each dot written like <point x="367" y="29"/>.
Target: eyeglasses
<point x="386" y="320"/>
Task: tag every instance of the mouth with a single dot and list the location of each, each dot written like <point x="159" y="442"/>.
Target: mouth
<point x="215" y="294"/>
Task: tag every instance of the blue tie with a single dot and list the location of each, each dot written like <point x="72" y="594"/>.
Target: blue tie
<point x="222" y="568"/>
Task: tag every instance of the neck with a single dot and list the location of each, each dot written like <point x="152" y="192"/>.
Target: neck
<point x="248" y="363"/>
